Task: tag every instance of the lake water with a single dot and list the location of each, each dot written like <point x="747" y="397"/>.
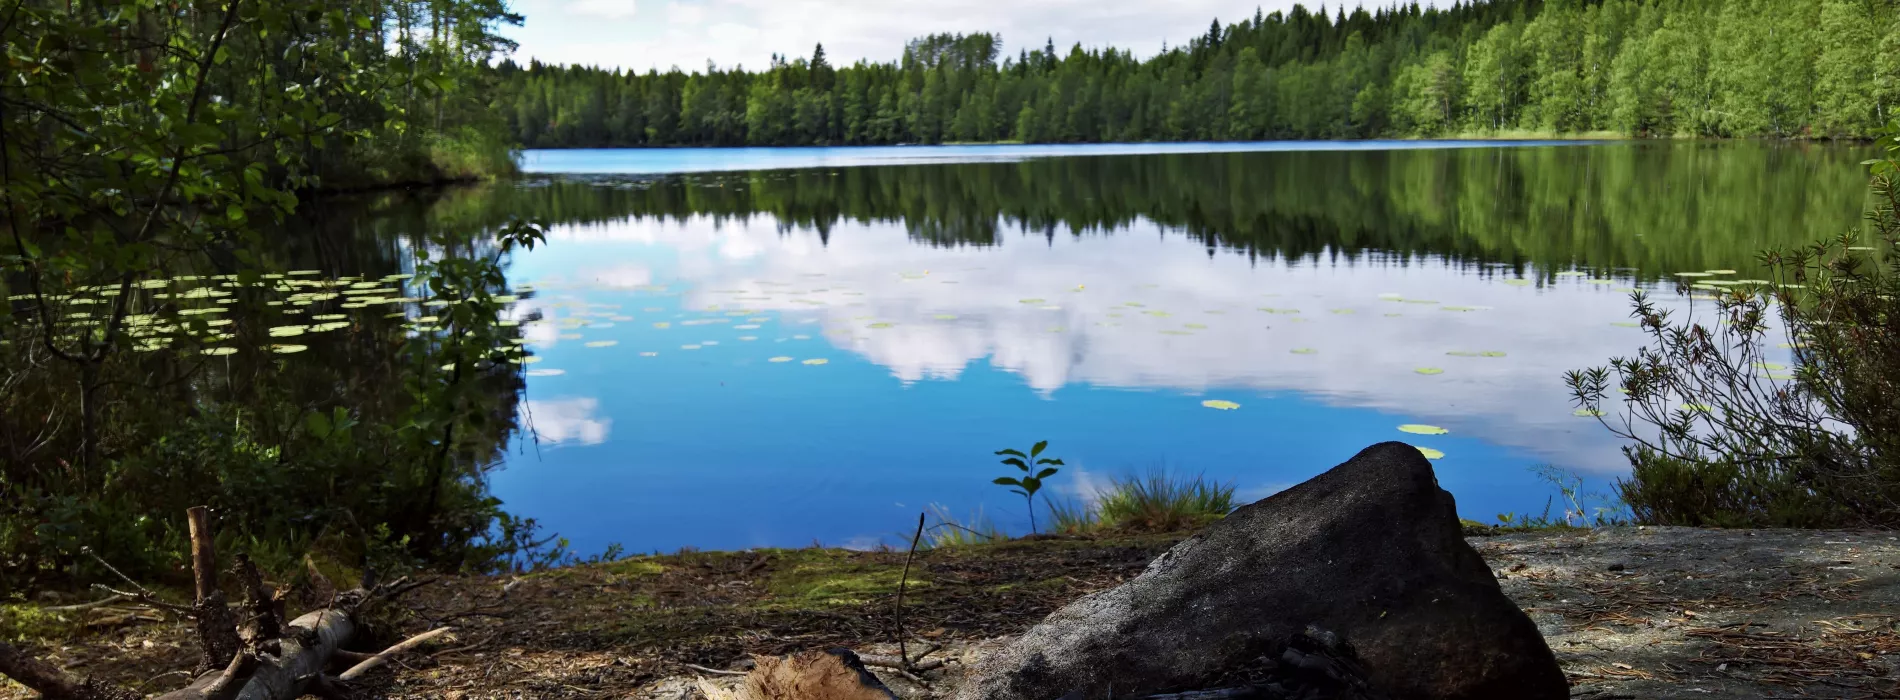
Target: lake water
<point x="816" y="344"/>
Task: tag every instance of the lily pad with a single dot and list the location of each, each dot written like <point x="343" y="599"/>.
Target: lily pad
<point x="691" y="346"/>
<point x="1417" y="429"/>
<point x="1429" y="370"/>
<point x="1626" y="324"/>
<point x="1517" y="282"/>
<point x="546" y="372"/>
<point x="663" y="325"/>
<point x="1693" y="274"/>
<point x="220" y="351"/>
<point x="288" y="349"/>
<point x="945" y="317"/>
<point x="1720" y="272"/>
<point x="1220" y="405"/>
<point x="329" y="317"/>
<point x="601" y="343"/>
<point x="1032" y="301"/>
<point x="1569" y="273"/>
<point x="1430" y="453"/>
<point x="780" y="358"/>
<point x="881" y="324"/>
<point x="816" y="361"/>
<point x="1392" y="296"/>
<point x="1195" y="326"/>
<point x="287" y="331"/>
<point x="1304" y="351"/>
<point x="1586" y="413"/>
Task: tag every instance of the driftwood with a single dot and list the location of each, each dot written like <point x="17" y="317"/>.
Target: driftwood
<point x="255" y="657"/>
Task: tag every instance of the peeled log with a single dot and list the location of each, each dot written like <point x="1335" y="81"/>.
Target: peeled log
<point x="306" y="647"/>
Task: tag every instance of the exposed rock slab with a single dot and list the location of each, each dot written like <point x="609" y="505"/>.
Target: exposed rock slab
<point x="1371" y="549"/>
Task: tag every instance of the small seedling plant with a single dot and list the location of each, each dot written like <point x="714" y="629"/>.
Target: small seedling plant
<point x="1034" y="471"/>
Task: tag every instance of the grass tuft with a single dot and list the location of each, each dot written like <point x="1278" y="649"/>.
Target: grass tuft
<point x="1154" y="503"/>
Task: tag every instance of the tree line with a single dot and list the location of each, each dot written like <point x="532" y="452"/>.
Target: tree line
<point x="1715" y="68"/>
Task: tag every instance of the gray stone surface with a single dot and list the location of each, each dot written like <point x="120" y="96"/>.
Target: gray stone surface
<point x="1371" y="549"/>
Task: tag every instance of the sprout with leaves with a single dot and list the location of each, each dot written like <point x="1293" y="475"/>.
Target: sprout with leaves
<point x="1035" y="468"/>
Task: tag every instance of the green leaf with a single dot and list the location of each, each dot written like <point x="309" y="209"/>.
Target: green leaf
<point x="1046" y="460"/>
<point x="1046" y="473"/>
<point x="1033" y="451"/>
<point x="1006" y="481"/>
<point x="318" y="425"/>
<point x="1011" y="452"/>
<point x="1031" y="484"/>
<point x="1017" y="463"/>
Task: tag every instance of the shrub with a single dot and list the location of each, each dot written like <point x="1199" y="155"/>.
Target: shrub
<point x="1718" y="441"/>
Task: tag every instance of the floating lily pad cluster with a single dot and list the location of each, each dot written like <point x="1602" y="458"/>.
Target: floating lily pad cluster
<point x="295" y="304"/>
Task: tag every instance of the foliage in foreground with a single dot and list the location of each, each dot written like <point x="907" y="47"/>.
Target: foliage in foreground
<point x="144" y="147"/>
<point x="1729" y="439"/>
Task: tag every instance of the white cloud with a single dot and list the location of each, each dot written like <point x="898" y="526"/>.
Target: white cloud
<point x="569" y="420"/>
<point x="603" y="9"/>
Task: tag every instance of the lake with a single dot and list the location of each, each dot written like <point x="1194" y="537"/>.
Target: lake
<point x="775" y="347"/>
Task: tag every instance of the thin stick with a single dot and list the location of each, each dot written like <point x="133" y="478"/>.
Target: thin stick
<point x="108" y="600"/>
<point x="903" y="652"/>
<point x="714" y="671"/>
<point x="116" y="572"/>
<point x="145" y="599"/>
<point x="386" y="654"/>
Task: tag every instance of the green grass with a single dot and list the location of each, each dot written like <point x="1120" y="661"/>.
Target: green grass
<point x="948" y="531"/>
<point x="1155" y="502"/>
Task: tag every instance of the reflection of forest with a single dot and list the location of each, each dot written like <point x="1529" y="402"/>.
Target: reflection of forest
<point x="1656" y="207"/>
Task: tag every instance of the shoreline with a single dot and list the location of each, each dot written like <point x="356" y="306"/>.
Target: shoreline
<point x="1629" y="611"/>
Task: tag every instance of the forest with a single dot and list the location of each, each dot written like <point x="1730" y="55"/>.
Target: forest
<point x="1662" y="68"/>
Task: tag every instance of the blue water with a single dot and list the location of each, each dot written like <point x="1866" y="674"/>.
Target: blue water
<point x="682" y="431"/>
<point x="643" y="161"/>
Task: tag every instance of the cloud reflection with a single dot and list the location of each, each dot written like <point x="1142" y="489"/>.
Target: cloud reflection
<point x="568" y="421"/>
<point x="1137" y="310"/>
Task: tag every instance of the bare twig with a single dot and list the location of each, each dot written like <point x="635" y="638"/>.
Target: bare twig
<point x="108" y="600"/>
<point x="146" y="599"/>
<point x="898" y="614"/>
<point x="714" y="671"/>
<point x="385" y="655"/>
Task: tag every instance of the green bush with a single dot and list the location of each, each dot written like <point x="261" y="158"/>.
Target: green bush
<point x="1721" y="438"/>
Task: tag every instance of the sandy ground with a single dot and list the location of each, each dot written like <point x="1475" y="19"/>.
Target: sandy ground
<point x="1630" y="612"/>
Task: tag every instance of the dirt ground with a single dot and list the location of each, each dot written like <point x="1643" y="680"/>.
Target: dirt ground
<point x="1630" y="612"/>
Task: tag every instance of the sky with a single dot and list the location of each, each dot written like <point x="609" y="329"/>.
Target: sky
<point x="642" y="34"/>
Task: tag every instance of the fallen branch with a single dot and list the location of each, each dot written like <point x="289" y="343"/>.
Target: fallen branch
<point x="51" y="682"/>
<point x="114" y="598"/>
<point x="385" y="655"/>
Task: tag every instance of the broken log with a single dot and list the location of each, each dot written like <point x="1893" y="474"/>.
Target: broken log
<point x="273" y="661"/>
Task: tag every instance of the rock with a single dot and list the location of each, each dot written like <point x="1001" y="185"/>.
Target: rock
<point x="1370" y="550"/>
<point x="833" y="674"/>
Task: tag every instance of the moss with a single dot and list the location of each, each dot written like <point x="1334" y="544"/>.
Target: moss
<point x="828" y="577"/>
<point x="22" y="622"/>
<point x="636" y="566"/>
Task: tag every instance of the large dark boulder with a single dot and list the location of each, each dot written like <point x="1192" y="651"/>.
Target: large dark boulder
<point x="1370" y="550"/>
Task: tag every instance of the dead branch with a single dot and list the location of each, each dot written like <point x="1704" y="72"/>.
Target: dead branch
<point x="263" y="621"/>
<point x="217" y="634"/>
<point x="53" y="683"/>
<point x="385" y="655"/>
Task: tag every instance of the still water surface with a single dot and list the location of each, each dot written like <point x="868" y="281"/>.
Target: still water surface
<point x="816" y="344"/>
